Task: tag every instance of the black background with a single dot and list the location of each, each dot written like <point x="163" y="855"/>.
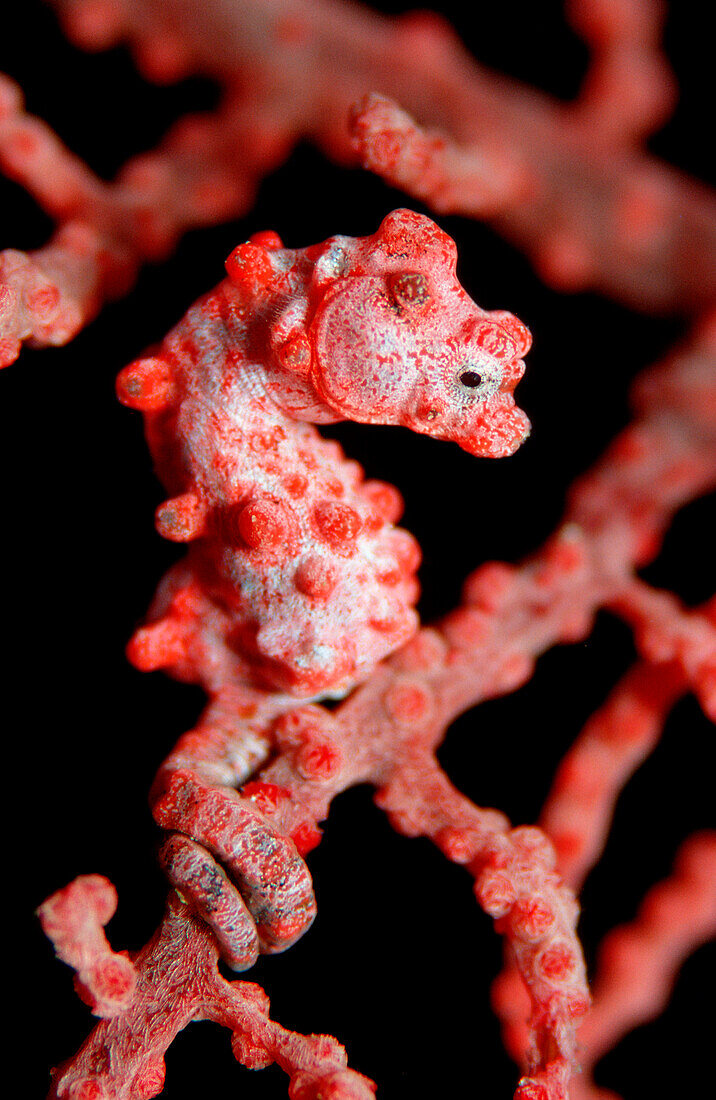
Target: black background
<point x="398" y="963"/>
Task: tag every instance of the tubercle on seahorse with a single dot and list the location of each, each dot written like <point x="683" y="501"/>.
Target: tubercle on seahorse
<point x="295" y="560"/>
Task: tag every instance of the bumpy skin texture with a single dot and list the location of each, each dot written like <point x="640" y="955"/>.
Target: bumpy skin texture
<point x="295" y="566"/>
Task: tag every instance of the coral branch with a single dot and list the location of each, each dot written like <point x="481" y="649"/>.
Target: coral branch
<point x="597" y="212"/>
<point x="611" y="226"/>
<point x="638" y="962"/>
<point x="637" y="965"/>
<point x="620" y="223"/>
<point x="477" y="181"/>
<point x="576" y="817"/>
<point x="178" y="981"/>
<point x="516" y="885"/>
<point x="615" y="741"/>
<point x="204" y="171"/>
<point x="664" y="632"/>
<point x="629" y="89"/>
<point x="73" y="919"/>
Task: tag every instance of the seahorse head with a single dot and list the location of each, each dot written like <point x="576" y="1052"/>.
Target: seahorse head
<point x="395" y="339"/>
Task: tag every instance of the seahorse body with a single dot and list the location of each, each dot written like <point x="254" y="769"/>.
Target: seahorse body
<point x="296" y="575"/>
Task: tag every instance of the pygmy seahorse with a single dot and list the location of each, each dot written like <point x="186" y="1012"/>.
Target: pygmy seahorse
<point x="296" y="570"/>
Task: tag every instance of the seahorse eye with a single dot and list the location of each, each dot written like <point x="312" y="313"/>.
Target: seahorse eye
<point x="471" y="379"/>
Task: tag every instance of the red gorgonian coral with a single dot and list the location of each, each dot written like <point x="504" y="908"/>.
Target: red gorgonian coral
<point x="297" y="586"/>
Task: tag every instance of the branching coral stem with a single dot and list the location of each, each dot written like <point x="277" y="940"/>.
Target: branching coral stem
<point x="178" y="981"/>
<point x="566" y="183"/>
